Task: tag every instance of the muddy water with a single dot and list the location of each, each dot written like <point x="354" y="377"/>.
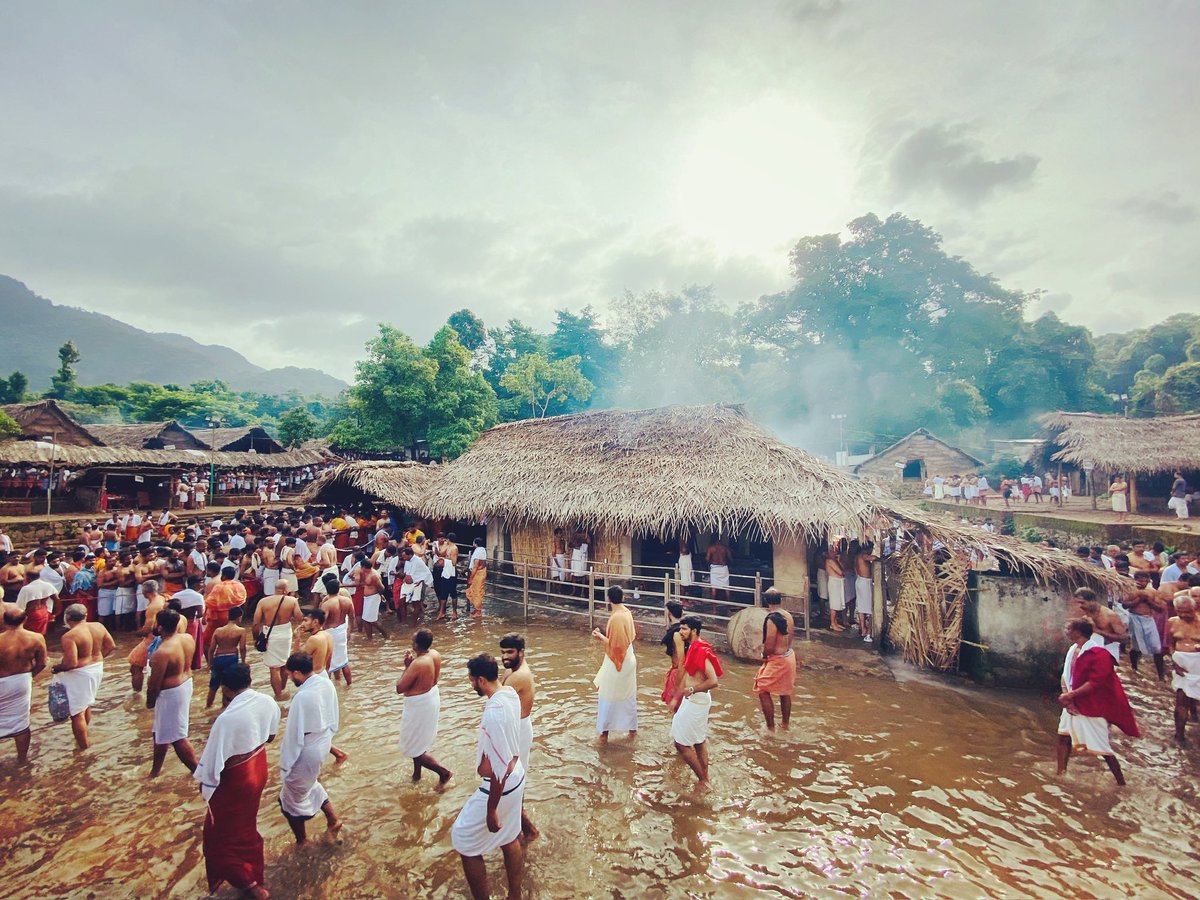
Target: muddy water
<point x="883" y="787"/>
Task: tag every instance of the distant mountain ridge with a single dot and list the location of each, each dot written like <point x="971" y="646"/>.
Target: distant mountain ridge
<point x="113" y="351"/>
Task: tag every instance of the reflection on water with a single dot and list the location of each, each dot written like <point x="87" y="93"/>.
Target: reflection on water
<point x="881" y="788"/>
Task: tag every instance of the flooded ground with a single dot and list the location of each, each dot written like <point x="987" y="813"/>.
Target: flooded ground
<point x="883" y="787"/>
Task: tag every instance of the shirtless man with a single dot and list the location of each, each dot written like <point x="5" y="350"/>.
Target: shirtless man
<point x="777" y="675"/>
<point x="836" y="578"/>
<point x="226" y="649"/>
<point x="84" y="646"/>
<point x="107" y="581"/>
<point x="719" y="558"/>
<point x="863" y="588"/>
<point x="519" y="677"/>
<point x="12" y="575"/>
<point x="1105" y="622"/>
<point x="338" y="607"/>
<point x="372" y="587"/>
<point x="169" y="692"/>
<point x="126" y="590"/>
<point x="422" y="706"/>
<point x="148" y="568"/>
<point x="689" y="727"/>
<point x="139" y="656"/>
<point x="278" y="629"/>
<point x="1183" y="643"/>
<point x="319" y="645"/>
<point x="1143" y="604"/>
<point x="22" y="656"/>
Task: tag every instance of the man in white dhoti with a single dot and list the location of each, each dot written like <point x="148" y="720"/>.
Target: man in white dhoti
<point x="491" y="817"/>
<point x="1183" y="645"/>
<point x="273" y="620"/>
<point x="22" y="656"/>
<point x="689" y="727"/>
<point x="719" y="557"/>
<point x="558" y="557"/>
<point x="519" y="677"/>
<point x="616" y="682"/>
<point x="311" y="724"/>
<point x="1145" y="606"/>
<point x="422" y="705"/>
<point x="169" y="692"/>
<point x="81" y="668"/>
<point x="1092" y="699"/>
<point x="338" y="606"/>
<point x="836" y="579"/>
<point x="864" y="593"/>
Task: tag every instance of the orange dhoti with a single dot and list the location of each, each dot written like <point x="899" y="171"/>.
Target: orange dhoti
<point x="777" y="675"/>
<point x="475" y="588"/>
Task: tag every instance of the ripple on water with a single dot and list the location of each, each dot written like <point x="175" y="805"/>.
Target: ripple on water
<point x="879" y="789"/>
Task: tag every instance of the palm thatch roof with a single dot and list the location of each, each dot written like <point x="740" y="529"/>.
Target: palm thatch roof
<point x="148" y="436"/>
<point x="650" y="472"/>
<point x="40" y="453"/>
<point x="46" y="418"/>
<point x="1117" y="444"/>
<point x="399" y="484"/>
<point x="242" y="439"/>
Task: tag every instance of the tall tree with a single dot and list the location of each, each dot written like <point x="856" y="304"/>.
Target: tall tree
<point x="62" y="382"/>
<point x="463" y="403"/>
<point x="296" y="426"/>
<point x="1179" y="390"/>
<point x="470" y="329"/>
<point x="582" y="335"/>
<point x="539" y="382"/>
<point x="12" y="389"/>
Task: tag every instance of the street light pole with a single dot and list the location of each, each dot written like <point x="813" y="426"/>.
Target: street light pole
<point x="213" y="422"/>
<point x="50" y="480"/>
<point x="840" y="418"/>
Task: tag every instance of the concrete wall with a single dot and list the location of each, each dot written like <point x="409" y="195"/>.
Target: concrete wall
<point x="791" y="569"/>
<point x="1020" y="623"/>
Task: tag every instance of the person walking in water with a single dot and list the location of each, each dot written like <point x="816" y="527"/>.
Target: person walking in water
<point x="519" y="677"/>
<point x="689" y="727"/>
<point x="22" y="656"/>
<point x="616" y="681"/>
<point x="81" y="668"/>
<point x="422" y="706"/>
<point x="776" y="676"/>
<point x="169" y="692"/>
<point x="308" y="736"/>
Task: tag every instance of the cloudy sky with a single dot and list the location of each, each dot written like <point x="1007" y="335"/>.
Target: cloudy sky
<point x="279" y="177"/>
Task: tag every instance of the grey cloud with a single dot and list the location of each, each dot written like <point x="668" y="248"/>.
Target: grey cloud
<point x="946" y="158"/>
<point x="1167" y="207"/>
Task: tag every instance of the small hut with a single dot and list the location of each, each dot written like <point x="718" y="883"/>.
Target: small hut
<point x="46" y="419"/>
<point x="1147" y="451"/>
<point x="148" y="436"/>
<point x="401" y="485"/>
<point x="245" y="439"/>
<point x="917" y="456"/>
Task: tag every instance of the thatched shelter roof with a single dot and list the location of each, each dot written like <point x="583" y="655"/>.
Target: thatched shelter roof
<point x="399" y="484"/>
<point x="1117" y="444"/>
<point x="40" y="453"/>
<point x="148" y="436"/>
<point x="241" y="439"/>
<point x="46" y="418"/>
<point x="650" y="471"/>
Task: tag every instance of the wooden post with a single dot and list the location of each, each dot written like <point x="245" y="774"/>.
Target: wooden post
<point x="878" y="607"/>
<point x="1133" y="495"/>
<point x="666" y="588"/>
<point x="525" y="589"/>
<point x="591" y="583"/>
<point x="103" y="504"/>
<point x="758" y="588"/>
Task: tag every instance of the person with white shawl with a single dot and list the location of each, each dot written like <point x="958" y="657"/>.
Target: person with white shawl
<point x="616" y="681"/>
<point x="491" y="817"/>
<point x="81" y="668"/>
<point x="232" y="774"/>
<point x="1183" y="645"/>
<point x="311" y="724"/>
<point x="422" y="705"/>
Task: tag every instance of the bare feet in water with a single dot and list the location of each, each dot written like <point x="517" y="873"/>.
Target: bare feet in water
<point x="443" y="780"/>
<point x="339" y="756"/>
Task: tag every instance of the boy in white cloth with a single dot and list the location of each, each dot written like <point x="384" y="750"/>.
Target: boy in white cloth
<point x="311" y="724"/>
<point x="422" y="705"/>
<point x="169" y="692"/>
<point x="81" y="668"/>
<point x="1183" y="644"/>
<point x="519" y="677"/>
<point x="491" y="817"/>
<point x="689" y="727"/>
<point x="22" y="656"/>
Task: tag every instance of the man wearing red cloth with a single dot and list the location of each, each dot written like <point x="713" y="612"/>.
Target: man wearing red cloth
<point x="1092" y="700"/>
<point x="232" y="773"/>
<point x="689" y="727"/>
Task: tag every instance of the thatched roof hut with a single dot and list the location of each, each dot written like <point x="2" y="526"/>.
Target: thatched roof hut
<point x="1116" y="444"/>
<point x="918" y="455"/>
<point x="242" y="439"/>
<point x="650" y="472"/>
<point x="46" y="418"/>
<point x="148" y="436"/>
<point x="398" y="484"/>
<point x="40" y="453"/>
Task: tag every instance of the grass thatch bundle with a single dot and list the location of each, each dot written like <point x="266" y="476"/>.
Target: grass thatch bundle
<point x="927" y="621"/>
<point x="1117" y="444"/>
<point x="650" y="472"/>
<point x="40" y="453"/>
<point x="398" y="484"/>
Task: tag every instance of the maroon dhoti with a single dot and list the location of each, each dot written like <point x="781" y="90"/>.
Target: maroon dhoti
<point x="233" y="848"/>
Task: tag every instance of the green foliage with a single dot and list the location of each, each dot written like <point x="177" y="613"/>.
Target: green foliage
<point x="581" y="335"/>
<point x="1179" y="390"/>
<point x="472" y="333"/>
<point x="62" y="382"/>
<point x="463" y="404"/>
<point x="8" y="427"/>
<point x="539" y="382"/>
<point x="1008" y="467"/>
<point x="1032" y="536"/>
<point x="296" y="426"/>
<point x="960" y="403"/>
<point x="1121" y="358"/>
<point x="12" y="389"/>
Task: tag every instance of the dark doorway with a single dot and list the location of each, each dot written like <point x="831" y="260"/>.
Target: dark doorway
<point x="914" y="470"/>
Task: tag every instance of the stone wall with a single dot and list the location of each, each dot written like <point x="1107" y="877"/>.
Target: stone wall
<point x="1019" y="624"/>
